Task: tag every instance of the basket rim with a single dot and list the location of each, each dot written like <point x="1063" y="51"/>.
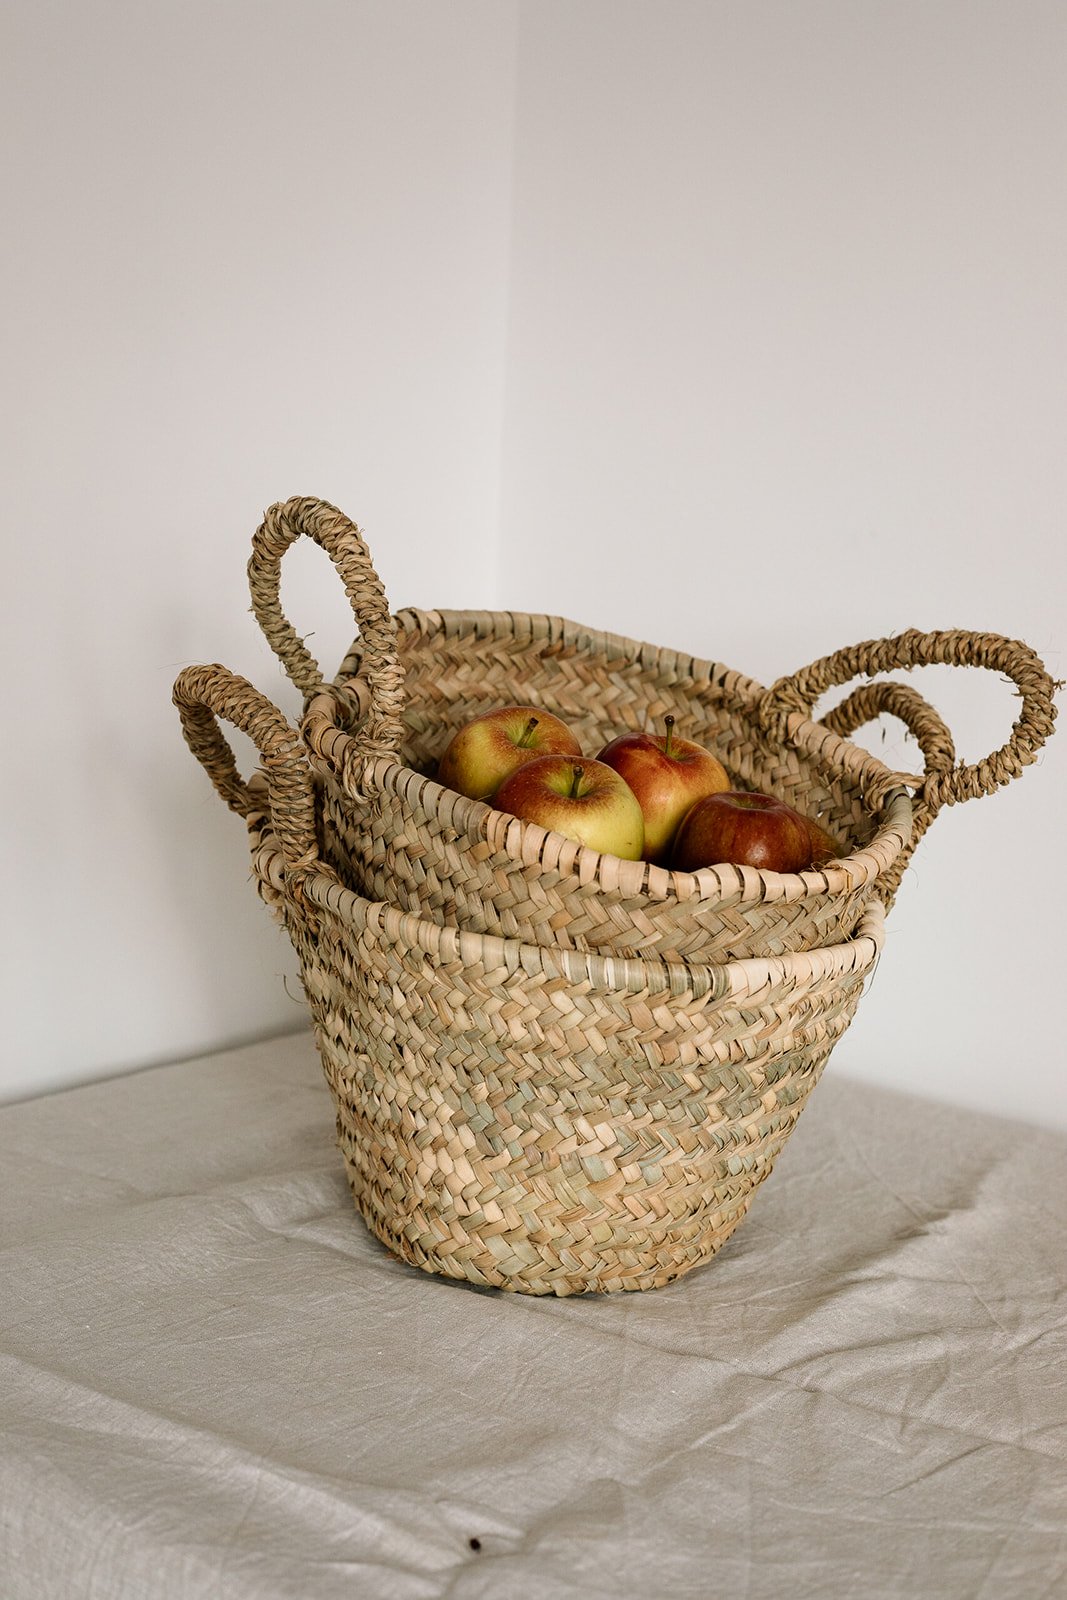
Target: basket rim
<point x="329" y="741"/>
<point x="745" y="978"/>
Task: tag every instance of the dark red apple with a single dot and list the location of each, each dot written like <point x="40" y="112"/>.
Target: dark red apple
<point x="750" y="830"/>
<point x="667" y="775"/>
<point x="581" y="798"/>
<point x="824" y="847"/>
<point x="490" y="747"/>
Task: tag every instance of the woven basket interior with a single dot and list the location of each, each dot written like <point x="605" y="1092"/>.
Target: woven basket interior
<point x="460" y="664"/>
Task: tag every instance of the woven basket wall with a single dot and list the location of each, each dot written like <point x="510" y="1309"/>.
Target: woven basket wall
<point x="546" y="1121"/>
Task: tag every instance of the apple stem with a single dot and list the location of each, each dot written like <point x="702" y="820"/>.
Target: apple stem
<point x="668" y="723"/>
<point x="527" y="733"/>
<point x="576" y="778"/>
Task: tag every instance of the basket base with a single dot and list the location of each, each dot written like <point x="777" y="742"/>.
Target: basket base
<point x="625" y="1246"/>
<point x="571" y="1273"/>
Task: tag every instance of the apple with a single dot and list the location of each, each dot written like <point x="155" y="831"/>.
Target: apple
<point x="824" y="847"/>
<point x="751" y="830"/>
<point x="489" y="748"/>
<point x="579" y="797"/>
<point x="667" y="775"/>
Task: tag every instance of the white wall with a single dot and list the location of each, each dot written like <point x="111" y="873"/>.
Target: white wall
<point x="788" y="369"/>
<point x="784" y="369"/>
<point x="251" y="250"/>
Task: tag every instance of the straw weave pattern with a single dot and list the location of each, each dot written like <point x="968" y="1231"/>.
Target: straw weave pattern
<point x="519" y="1119"/>
<point x="464" y="864"/>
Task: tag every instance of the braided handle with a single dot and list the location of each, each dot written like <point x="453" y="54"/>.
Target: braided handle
<point x="202" y="695"/>
<point x="343" y="543"/>
<point x="872" y="700"/>
<point x="944" y="783"/>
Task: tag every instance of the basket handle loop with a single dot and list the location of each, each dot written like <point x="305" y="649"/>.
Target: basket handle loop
<point x="900" y="700"/>
<point x="343" y="542"/>
<point x="202" y="695"/>
<point x="944" y="782"/>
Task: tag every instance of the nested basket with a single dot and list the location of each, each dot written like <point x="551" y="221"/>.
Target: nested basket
<point x="392" y="833"/>
<point x="521" y="1115"/>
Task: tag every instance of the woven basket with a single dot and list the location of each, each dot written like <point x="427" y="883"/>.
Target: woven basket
<point x="394" y="834"/>
<point x="516" y="1115"/>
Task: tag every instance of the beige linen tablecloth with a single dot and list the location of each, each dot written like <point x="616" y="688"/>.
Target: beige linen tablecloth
<point x="216" y="1384"/>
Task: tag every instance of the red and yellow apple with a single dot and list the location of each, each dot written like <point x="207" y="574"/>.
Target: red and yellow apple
<point x="750" y="830"/>
<point x="489" y="748"/>
<point x="579" y="797"/>
<point x="668" y="775"/>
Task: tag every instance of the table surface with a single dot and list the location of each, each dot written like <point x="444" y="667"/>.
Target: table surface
<point x="217" y="1384"/>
